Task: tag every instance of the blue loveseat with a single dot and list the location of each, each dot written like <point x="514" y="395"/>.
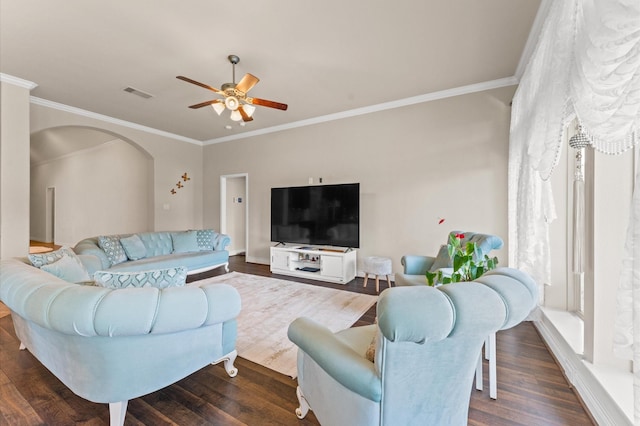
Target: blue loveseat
<point x="197" y="250"/>
<point x="112" y="345"/>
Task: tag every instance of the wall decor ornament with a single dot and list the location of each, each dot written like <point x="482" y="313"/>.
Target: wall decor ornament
<point x="185" y="177"/>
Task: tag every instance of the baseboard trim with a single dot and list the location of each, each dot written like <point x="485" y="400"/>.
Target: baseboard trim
<point x="259" y="260"/>
<point x="602" y="407"/>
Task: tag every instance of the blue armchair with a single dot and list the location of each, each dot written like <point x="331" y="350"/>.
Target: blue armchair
<point x="427" y="344"/>
<point x="415" y="266"/>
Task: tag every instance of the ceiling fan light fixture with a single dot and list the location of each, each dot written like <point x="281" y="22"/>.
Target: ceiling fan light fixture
<point x="249" y="109"/>
<point x="232" y="103"/>
<point x="218" y="107"/>
<point x="235" y="115"/>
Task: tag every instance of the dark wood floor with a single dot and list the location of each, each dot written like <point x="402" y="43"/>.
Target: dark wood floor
<point x="531" y="388"/>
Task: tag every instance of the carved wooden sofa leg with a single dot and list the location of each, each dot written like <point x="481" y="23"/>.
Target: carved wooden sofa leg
<point x="229" y="359"/>
<point x="303" y="409"/>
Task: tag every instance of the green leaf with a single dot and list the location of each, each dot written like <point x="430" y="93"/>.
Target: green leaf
<point x="471" y="248"/>
<point x="458" y="261"/>
<point x="430" y="278"/>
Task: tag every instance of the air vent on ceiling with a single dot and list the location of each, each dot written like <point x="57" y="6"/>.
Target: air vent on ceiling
<point x="140" y="93"/>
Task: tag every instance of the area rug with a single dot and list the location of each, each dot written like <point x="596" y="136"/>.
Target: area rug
<point x="269" y="305"/>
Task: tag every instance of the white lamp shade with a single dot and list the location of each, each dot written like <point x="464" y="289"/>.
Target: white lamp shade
<point x="231" y="102"/>
<point x="218" y="107"/>
<point x="249" y="109"/>
<point x="235" y="115"/>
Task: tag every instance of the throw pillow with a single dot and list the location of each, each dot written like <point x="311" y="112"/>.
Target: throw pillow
<point x="68" y="268"/>
<point x="134" y="247"/>
<point x="184" y="242"/>
<point x="442" y="259"/>
<point x="160" y="278"/>
<point x="40" y="259"/>
<point x="205" y="239"/>
<point x="112" y="248"/>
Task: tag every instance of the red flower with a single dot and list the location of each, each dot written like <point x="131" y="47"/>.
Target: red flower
<point x="459" y="236"/>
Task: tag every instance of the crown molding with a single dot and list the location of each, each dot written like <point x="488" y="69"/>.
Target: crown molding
<point x="442" y="94"/>
<point x="6" y="78"/>
<point x="73" y="110"/>
<point x="428" y="97"/>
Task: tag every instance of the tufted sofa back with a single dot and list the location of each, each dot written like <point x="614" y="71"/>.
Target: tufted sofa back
<point x="157" y="243"/>
<point x="96" y="311"/>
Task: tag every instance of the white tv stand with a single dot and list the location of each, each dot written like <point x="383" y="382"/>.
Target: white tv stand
<point x="336" y="265"/>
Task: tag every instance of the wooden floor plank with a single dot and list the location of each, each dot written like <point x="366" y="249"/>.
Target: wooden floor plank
<point x="531" y="387"/>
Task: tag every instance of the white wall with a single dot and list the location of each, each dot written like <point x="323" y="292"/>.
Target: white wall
<point x="171" y="158"/>
<point x="14" y="175"/>
<point x="416" y="164"/>
<point x="101" y="190"/>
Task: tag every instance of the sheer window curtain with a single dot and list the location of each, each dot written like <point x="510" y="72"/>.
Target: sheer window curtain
<point x="586" y="65"/>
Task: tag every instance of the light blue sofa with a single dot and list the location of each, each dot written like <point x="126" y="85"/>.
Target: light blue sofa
<point x="415" y="266"/>
<point x="110" y="346"/>
<point x="159" y="254"/>
<point x="427" y="345"/>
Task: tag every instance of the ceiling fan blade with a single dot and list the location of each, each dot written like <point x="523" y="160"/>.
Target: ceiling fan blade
<point x="270" y="104"/>
<point x="204" y="104"/>
<point x="197" y="83"/>
<point x="247" y="82"/>
<point x="244" y="115"/>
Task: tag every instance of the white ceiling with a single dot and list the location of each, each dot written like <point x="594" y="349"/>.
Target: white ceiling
<point x="319" y="57"/>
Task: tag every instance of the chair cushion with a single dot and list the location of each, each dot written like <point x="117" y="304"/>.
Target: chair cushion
<point x="110" y="244"/>
<point x="134" y="247"/>
<point x="205" y="239"/>
<point x="40" y="259"/>
<point x="184" y="242"/>
<point x="68" y="268"/>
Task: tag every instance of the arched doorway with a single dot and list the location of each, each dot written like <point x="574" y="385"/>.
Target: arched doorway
<point x="88" y="181"/>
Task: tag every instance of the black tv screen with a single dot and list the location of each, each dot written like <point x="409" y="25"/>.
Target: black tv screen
<point x="316" y="215"/>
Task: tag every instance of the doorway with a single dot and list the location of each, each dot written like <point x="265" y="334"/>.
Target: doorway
<point x="234" y="211"/>
<point x="50" y="218"/>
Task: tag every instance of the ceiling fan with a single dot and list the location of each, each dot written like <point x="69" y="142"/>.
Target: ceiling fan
<point x="235" y="96"/>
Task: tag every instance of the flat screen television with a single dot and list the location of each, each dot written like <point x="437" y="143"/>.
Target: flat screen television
<point x="316" y="215"/>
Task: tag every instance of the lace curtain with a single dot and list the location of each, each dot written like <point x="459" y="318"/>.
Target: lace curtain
<point x="586" y="65"/>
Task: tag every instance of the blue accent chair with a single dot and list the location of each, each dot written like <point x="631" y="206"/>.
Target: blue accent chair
<point x="415" y="266"/>
<point x="427" y="344"/>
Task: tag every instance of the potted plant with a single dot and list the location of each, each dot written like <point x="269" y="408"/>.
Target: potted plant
<point x="467" y="261"/>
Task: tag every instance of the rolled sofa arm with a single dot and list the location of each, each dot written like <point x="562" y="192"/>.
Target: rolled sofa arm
<point x="220" y="241"/>
<point x="336" y="358"/>
<point x="89" y="246"/>
<point x="75" y="309"/>
<point x="416" y="265"/>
